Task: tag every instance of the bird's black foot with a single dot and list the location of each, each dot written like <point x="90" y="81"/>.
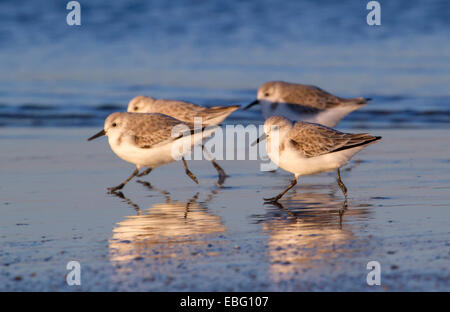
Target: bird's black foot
<point x="272" y="199"/>
<point x="221" y="179"/>
<point x="192" y="176"/>
<point x="115" y="188"/>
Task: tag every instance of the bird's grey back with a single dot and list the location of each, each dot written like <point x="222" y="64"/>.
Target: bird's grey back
<point x="150" y="129"/>
<point x="181" y="110"/>
<point x="314" y="140"/>
<point x="309" y="96"/>
<point x="186" y="111"/>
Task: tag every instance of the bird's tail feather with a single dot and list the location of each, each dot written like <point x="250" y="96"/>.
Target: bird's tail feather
<point x="358" y="140"/>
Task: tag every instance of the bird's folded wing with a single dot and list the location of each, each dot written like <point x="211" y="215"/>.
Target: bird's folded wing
<point x="314" y="140"/>
<point x="155" y="129"/>
<point x="180" y="109"/>
<point x="311" y="96"/>
<point x="175" y="105"/>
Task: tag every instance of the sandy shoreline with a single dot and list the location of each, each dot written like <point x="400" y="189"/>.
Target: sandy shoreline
<point x="182" y="236"/>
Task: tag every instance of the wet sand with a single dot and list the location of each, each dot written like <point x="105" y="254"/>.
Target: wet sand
<point x="175" y="235"/>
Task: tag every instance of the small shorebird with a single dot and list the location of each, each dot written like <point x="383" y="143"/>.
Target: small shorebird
<point x="305" y="148"/>
<point x="303" y="102"/>
<point x="147" y="140"/>
<point x="186" y="112"/>
<point x="181" y="110"/>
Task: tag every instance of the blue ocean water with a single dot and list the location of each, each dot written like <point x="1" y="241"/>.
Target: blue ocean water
<point x="216" y="52"/>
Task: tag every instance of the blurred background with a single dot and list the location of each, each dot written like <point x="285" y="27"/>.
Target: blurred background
<point x="216" y="52"/>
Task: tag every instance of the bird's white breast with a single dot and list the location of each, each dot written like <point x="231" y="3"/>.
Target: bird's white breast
<point x="293" y="161"/>
<point x="158" y="155"/>
<point x="144" y="157"/>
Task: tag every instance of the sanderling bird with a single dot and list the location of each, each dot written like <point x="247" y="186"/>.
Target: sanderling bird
<point x="305" y="148"/>
<point x="147" y="140"/>
<point x="302" y="102"/>
<point x="186" y="112"/>
<point x="181" y="110"/>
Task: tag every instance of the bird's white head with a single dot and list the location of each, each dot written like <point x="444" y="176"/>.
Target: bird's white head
<point x="270" y="91"/>
<point x="277" y="123"/>
<point x="140" y="104"/>
<point x="114" y="125"/>
<point x="275" y="128"/>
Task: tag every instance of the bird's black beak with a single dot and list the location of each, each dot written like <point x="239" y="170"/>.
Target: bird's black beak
<point x="261" y="138"/>
<point x="97" y="135"/>
<point x="255" y="102"/>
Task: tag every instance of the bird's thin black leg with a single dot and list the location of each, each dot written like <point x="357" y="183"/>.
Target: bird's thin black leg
<point x="121" y="185"/>
<point x="145" y="172"/>
<point x="341" y="184"/>
<point x="188" y="172"/>
<point x="220" y="171"/>
<point x="276" y="198"/>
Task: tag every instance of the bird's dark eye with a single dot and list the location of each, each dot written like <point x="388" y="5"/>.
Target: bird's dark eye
<point x="135" y="108"/>
<point x="114" y="124"/>
<point x="266" y="94"/>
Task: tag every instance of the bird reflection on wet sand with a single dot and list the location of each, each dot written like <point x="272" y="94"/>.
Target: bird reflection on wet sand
<point x="166" y="231"/>
<point x="310" y="230"/>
